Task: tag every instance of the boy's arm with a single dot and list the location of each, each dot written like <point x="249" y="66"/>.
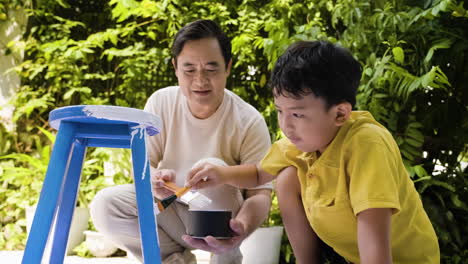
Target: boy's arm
<point x="304" y="241"/>
<point x="373" y="230"/>
<point x="241" y="176"/>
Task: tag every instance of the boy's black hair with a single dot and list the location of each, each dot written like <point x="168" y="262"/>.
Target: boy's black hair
<point x="200" y="29"/>
<point x="319" y="67"/>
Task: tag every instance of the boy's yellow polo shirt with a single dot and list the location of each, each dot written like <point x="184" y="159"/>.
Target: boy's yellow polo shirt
<point x="361" y="169"/>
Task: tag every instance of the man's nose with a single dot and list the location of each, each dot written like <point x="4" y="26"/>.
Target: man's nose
<point x="200" y="78"/>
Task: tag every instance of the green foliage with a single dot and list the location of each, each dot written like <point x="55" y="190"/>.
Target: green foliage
<point x="20" y="188"/>
<point x="413" y="53"/>
<point x="9" y="5"/>
<point x="22" y="176"/>
<point x="82" y="250"/>
<point x="6" y="140"/>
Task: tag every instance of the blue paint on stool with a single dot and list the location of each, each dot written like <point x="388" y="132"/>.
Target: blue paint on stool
<point x="84" y="126"/>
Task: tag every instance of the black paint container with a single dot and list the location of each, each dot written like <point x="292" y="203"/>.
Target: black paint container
<point x="204" y="223"/>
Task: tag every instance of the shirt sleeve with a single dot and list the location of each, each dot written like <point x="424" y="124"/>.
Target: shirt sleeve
<point x="373" y="175"/>
<point x="275" y="160"/>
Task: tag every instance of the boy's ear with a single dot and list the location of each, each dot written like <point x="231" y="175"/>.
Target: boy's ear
<point x="343" y="112"/>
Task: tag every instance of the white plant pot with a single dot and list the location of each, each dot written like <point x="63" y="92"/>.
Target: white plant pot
<point x="262" y="246"/>
<point x="98" y="245"/>
<point x="78" y="225"/>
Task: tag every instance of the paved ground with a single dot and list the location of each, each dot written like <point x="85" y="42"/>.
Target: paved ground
<point x="14" y="257"/>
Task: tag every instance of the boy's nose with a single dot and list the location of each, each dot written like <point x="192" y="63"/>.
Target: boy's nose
<point x="287" y="124"/>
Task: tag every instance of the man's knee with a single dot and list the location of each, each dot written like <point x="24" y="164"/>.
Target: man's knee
<point x="99" y="207"/>
<point x="108" y="204"/>
<point x="233" y="256"/>
<point x="214" y="161"/>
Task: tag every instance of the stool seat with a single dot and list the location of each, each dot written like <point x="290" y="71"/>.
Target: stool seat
<point x="79" y="127"/>
<point x="105" y="114"/>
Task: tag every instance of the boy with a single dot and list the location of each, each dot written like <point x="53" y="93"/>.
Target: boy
<point x="340" y="176"/>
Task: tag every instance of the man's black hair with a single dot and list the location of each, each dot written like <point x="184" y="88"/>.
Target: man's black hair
<point x="200" y="29"/>
<point x="319" y="67"/>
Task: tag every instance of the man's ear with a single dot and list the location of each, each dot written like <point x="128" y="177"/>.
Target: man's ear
<point x="228" y="68"/>
<point x="343" y="112"/>
<point x="174" y="63"/>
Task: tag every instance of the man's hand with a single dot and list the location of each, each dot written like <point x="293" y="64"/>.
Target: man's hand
<point x="158" y="177"/>
<point x="219" y="246"/>
<point x="204" y="175"/>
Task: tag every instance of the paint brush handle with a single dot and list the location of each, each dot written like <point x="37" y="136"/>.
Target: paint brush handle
<point x="171" y="186"/>
<point x="179" y="191"/>
<point x="182" y="191"/>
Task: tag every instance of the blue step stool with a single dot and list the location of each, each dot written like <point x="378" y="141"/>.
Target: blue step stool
<point x="95" y="126"/>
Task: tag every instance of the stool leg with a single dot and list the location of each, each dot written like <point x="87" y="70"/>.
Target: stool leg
<point x="148" y="231"/>
<point x="67" y="202"/>
<point x="46" y="206"/>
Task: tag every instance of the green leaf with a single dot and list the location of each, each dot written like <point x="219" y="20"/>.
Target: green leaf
<point x="415" y="134"/>
<point x="49" y="135"/>
<point x="63" y="3"/>
<point x="368" y="71"/>
<point x="449" y="215"/>
<point x="263" y="80"/>
<point x="398" y="54"/>
<point x="69" y="93"/>
<point x="413" y="142"/>
<point x="32" y="105"/>
<point x="420" y="171"/>
<point x="380" y="95"/>
<point x="441" y="44"/>
<point x="151" y="35"/>
<point x="87" y="50"/>
<point x="442" y="184"/>
<point x="406" y="154"/>
<point x="415" y="125"/>
<point x="113" y="38"/>
<point x="425" y="178"/>
<point x="457" y="202"/>
<point x="399" y="140"/>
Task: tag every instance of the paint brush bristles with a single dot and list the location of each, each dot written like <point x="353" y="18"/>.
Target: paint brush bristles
<point x="167" y="201"/>
<point x="193" y="198"/>
<point x="196" y="200"/>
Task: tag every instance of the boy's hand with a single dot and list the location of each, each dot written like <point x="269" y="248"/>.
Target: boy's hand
<point x="204" y="175"/>
<point x="219" y="246"/>
<point x="158" y="177"/>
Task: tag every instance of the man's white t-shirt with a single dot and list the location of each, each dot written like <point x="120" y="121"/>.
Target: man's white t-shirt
<point x="236" y="133"/>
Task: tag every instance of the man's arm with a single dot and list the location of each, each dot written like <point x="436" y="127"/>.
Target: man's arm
<point x="255" y="209"/>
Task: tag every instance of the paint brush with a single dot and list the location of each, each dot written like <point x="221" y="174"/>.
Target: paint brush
<point x="192" y="198"/>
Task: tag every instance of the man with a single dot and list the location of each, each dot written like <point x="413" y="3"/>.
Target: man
<point x="201" y="119"/>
